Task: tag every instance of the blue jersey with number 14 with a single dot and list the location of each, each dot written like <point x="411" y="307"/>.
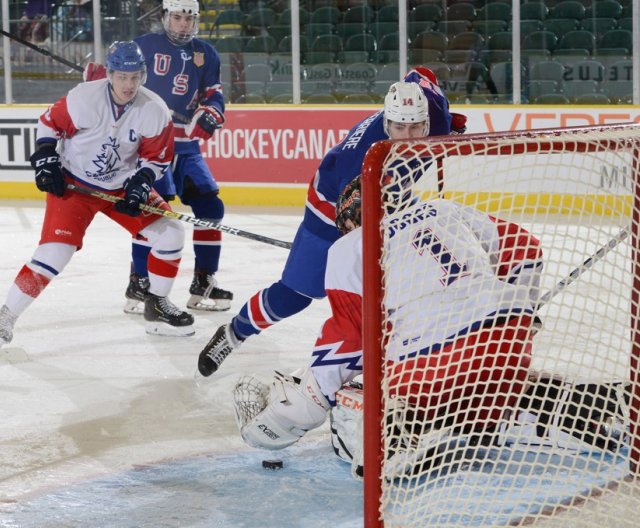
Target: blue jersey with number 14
<point x="184" y="77"/>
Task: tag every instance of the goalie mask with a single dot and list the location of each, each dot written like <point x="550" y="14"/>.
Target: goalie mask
<point x="348" y="207"/>
<point x="405" y="102"/>
<point x="180" y="19"/>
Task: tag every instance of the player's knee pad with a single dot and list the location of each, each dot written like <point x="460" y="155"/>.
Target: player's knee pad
<point x="166" y="236"/>
<point x="293" y="407"/>
<point x="54" y="255"/>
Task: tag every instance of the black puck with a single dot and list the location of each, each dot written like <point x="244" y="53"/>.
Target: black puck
<point x="272" y="464"/>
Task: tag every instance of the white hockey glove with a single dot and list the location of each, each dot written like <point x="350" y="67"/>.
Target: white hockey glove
<point x="278" y="417"/>
<point x="204" y="123"/>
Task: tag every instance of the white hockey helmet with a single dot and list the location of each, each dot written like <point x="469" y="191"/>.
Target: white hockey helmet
<point x="187" y="7"/>
<point x="405" y="102"/>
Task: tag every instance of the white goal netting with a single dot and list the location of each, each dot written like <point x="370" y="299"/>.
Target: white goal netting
<point x="501" y="289"/>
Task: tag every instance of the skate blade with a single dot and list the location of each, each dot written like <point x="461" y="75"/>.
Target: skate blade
<point x="197" y="302"/>
<point x="13" y="355"/>
<point x="134" y="307"/>
<point x="164" y="329"/>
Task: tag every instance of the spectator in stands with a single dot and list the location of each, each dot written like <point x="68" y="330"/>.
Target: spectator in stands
<point x="34" y="21"/>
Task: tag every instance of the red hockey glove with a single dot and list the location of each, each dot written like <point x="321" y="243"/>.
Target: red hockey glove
<point x="458" y="123"/>
<point x="205" y="122"/>
<point x="94" y="71"/>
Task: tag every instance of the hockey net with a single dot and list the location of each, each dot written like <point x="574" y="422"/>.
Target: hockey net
<point x="566" y="444"/>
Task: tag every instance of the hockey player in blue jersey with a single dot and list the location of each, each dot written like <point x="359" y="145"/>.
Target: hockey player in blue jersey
<point x="185" y="72"/>
<point x="303" y="276"/>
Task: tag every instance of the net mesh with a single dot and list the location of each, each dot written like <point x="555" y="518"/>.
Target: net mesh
<point x="508" y="361"/>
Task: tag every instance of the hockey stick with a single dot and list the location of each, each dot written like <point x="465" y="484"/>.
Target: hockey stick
<point x="201" y="222"/>
<point x="586" y="265"/>
<point x="182" y="118"/>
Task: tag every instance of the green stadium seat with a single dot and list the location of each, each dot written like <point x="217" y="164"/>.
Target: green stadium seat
<point x="620" y="70"/>
<point x="567" y="9"/>
<point x="540" y="40"/>
<point x="388" y="48"/>
<point x="276" y="88"/>
<point x="261" y="44"/>
<point x="380" y="29"/>
<point x="617" y="38"/>
<point x="592" y="99"/>
<point x="250" y="99"/>
<point x="618" y="91"/>
<point x="258" y="19"/>
<point x="500" y="41"/>
<point x="284" y="46"/>
<point x="425" y="13"/>
<point x="278" y="32"/>
<point x="549" y="70"/>
<point x="313" y="30"/>
<point x="389" y="72"/>
<point x="420" y="56"/>
<point x="284" y="18"/>
<point x="501" y="74"/>
<point x="538" y="88"/>
<point x="348" y="29"/>
<point x="529" y="26"/>
<point x="361" y="13"/>
<point x="572" y="89"/>
<point x="325" y="48"/>
<point x="560" y="26"/>
<point x="487" y="28"/>
<point x="585" y="70"/>
<point x="495" y="11"/>
<point x="462" y="11"/>
<point x="257" y="73"/>
<point x="359" y="48"/>
<point x="413" y="28"/>
<point x="387" y="13"/>
<point x="453" y="27"/>
<point x="599" y="26"/>
<point x="578" y="39"/>
<point x="325" y="15"/>
<point x="431" y="40"/>
<point x="533" y="11"/>
<point x="625" y="23"/>
<point x="604" y="8"/>
<point x="230" y="45"/>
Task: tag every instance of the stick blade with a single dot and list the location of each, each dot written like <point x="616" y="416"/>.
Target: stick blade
<point x="13" y="355"/>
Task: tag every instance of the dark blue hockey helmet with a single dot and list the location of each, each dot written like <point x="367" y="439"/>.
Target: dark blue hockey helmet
<point x="125" y="56"/>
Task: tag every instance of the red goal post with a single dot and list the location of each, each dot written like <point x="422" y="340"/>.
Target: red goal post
<point x="588" y="177"/>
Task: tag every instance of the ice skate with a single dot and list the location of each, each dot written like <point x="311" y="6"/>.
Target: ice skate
<point x="165" y="318"/>
<point x="136" y="291"/>
<point x="7" y="321"/>
<point x="217" y="349"/>
<point x="205" y="294"/>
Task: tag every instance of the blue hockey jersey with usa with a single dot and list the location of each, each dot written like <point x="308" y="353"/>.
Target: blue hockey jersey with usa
<point x="304" y="271"/>
<point x="184" y="77"/>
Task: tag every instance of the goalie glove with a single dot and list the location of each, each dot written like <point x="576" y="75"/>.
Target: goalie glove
<point x="458" y="123"/>
<point x="46" y="162"/>
<point x="205" y="122"/>
<point x="136" y="192"/>
<point x="94" y="71"/>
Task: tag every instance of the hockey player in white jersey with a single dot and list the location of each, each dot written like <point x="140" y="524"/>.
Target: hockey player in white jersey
<point x="115" y="136"/>
<point x="185" y="72"/>
<point x="483" y="292"/>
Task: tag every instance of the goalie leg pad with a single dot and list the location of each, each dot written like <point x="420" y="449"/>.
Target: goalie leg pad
<point x="295" y="406"/>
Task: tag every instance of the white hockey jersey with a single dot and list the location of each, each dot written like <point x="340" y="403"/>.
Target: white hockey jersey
<point x="459" y="268"/>
<point x="101" y="146"/>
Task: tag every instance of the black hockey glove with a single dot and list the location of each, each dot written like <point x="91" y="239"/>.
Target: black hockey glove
<point x="136" y="192"/>
<point x="46" y="162"/>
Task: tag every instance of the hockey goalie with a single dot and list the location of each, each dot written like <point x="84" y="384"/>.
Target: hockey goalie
<point x="459" y="377"/>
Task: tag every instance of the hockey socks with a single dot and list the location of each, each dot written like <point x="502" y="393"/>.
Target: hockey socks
<point x="266" y="308"/>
